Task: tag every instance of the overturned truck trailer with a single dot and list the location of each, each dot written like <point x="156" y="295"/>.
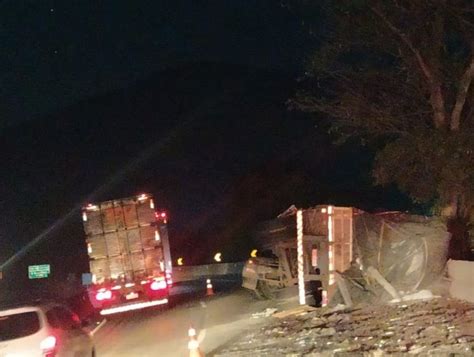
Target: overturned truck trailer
<point x="366" y="256"/>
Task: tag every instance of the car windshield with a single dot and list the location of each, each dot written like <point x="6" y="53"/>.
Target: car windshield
<point x="18" y="325"/>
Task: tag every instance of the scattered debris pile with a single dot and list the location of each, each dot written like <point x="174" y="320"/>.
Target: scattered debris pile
<point x="407" y="251"/>
<point x="265" y="313"/>
<point x="437" y="327"/>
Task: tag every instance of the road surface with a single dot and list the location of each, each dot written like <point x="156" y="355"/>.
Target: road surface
<point x="218" y="319"/>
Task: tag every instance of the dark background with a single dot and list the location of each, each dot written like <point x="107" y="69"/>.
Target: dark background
<point x="185" y="100"/>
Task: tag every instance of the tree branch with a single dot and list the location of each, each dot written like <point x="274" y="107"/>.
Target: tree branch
<point x="464" y="85"/>
<point x="436" y="94"/>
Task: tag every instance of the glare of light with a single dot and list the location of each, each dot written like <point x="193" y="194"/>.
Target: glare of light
<point x="157" y="236"/>
<point x="158" y="285"/>
<point x="84" y="216"/>
<point x="103" y="295"/>
<point x="180" y="261"/>
<point x="110" y="182"/>
<point x="152" y="204"/>
<point x="331" y="247"/>
<point x="142" y="197"/>
<point x="129" y="285"/>
<point x="89" y="248"/>
<point x="299" y="241"/>
<point x="218" y="257"/>
<point x="138" y="306"/>
<point x="323" y="210"/>
<point x="331" y="258"/>
<point x="253" y="253"/>
<point x="116" y="287"/>
<point x="48" y="343"/>
<point x="193" y="345"/>
<point x="314" y="257"/>
<point x="324" y="301"/>
<point x="330" y="225"/>
<point x="169" y="280"/>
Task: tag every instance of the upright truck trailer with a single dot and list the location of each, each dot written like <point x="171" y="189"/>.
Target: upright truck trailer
<point x="129" y="254"/>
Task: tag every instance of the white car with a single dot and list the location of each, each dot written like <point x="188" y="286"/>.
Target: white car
<point x="48" y="330"/>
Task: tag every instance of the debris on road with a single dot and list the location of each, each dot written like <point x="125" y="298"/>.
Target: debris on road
<point x="297" y="310"/>
<point x="265" y="313"/>
<point x="419" y="295"/>
<point x="441" y="327"/>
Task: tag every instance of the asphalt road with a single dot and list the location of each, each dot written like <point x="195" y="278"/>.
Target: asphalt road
<point x="218" y="319"/>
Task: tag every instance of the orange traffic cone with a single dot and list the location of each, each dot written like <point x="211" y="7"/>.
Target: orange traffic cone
<point x="209" y="289"/>
<point x="193" y="344"/>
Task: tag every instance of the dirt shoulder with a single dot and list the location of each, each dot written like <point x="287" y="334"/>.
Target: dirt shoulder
<point x="436" y="327"/>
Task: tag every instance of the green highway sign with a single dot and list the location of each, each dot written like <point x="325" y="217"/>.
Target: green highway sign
<point x="39" y="271"/>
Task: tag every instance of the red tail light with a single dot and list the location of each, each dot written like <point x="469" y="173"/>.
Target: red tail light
<point x="161" y="215"/>
<point x="103" y="295"/>
<point x="158" y="285"/>
<point x="48" y="346"/>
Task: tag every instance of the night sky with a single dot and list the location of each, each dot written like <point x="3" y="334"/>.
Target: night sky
<point x="183" y="99"/>
<point x="57" y="52"/>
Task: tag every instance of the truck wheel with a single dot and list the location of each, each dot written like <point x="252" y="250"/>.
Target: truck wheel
<point x="267" y="291"/>
<point x="257" y="294"/>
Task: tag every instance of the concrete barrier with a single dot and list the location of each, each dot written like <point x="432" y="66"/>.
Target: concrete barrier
<point x="461" y="275"/>
<point x="186" y="273"/>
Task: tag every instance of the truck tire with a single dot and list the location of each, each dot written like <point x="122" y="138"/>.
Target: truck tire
<point x="268" y="292"/>
<point x="257" y="294"/>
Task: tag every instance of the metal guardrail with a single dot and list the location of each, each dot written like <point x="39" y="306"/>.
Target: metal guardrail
<point x="187" y="273"/>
